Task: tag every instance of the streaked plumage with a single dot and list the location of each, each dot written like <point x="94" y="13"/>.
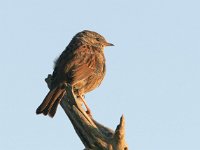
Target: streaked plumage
<point x="81" y="64"/>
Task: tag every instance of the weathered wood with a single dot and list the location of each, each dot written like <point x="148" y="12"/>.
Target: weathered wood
<point x="93" y="135"/>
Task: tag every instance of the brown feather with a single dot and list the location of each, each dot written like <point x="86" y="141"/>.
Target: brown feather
<point x="45" y="102"/>
<point x="81" y="64"/>
<point x="53" y="109"/>
<point x="58" y="92"/>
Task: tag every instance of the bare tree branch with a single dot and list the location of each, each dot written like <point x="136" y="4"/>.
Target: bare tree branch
<point x="93" y="135"/>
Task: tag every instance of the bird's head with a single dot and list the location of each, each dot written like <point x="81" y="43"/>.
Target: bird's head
<point x="92" y="38"/>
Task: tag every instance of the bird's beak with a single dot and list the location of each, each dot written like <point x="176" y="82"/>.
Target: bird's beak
<point x="109" y="44"/>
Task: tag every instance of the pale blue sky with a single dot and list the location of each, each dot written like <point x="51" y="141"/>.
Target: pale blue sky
<point x="153" y="74"/>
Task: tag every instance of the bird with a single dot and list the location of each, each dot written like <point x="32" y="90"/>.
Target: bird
<point x="82" y="65"/>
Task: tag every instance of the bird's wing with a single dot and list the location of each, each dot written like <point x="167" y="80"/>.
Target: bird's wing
<point x="74" y="65"/>
<point x="83" y="65"/>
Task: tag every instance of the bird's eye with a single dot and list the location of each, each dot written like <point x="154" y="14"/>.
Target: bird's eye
<point x="98" y="39"/>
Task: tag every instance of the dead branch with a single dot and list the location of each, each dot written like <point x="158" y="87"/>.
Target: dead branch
<point x="93" y="135"/>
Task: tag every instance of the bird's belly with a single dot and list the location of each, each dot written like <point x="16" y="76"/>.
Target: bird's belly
<point x="89" y="84"/>
<point x="93" y="82"/>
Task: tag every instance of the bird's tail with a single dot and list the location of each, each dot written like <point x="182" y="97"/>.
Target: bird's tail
<point x="51" y="101"/>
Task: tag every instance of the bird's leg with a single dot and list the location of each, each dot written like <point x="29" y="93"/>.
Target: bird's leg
<point x="88" y="109"/>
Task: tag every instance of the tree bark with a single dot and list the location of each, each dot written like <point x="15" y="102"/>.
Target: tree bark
<point x="93" y="135"/>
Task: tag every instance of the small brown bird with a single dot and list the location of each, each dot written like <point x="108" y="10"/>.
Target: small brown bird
<point x="82" y="65"/>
